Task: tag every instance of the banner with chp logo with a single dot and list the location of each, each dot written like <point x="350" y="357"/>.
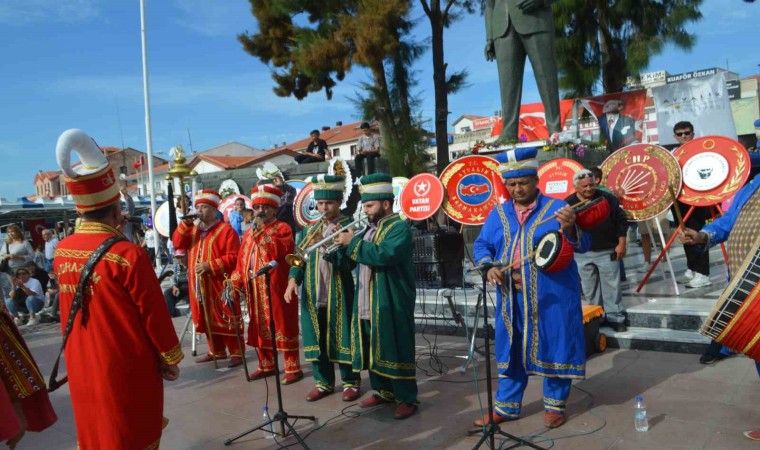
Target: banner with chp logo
<point x="702" y="101"/>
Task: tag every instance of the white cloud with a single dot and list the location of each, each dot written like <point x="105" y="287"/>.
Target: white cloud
<point x="214" y="18"/>
<point x="25" y="12"/>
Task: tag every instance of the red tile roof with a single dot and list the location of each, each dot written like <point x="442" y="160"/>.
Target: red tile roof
<point x="332" y="136"/>
<point x="225" y="162"/>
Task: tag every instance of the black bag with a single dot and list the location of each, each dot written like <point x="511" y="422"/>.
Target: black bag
<point x="4" y="264"/>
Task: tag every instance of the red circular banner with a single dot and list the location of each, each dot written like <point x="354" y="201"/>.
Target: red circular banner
<point x="305" y="207"/>
<point x="228" y="204"/>
<point x="473" y="185"/>
<point x="641" y="176"/>
<point x="713" y="169"/>
<point x="555" y="177"/>
<point x="421" y="197"/>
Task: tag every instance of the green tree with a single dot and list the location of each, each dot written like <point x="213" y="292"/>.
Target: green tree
<point x="610" y="40"/>
<point x="312" y="44"/>
<point x="441" y="14"/>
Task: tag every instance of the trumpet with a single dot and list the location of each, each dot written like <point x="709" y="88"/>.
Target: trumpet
<point x="301" y="256"/>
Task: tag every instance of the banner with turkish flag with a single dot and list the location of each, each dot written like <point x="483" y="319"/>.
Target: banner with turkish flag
<point x="532" y="125"/>
<point x="35" y="227"/>
<point x="620" y="116"/>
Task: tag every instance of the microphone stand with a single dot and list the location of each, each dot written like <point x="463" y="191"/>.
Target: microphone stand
<point x="490" y="429"/>
<point x="281" y="416"/>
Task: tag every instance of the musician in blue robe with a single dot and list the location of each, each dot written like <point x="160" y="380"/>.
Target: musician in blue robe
<point x="539" y="324"/>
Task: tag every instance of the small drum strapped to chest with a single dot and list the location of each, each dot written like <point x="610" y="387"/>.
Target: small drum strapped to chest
<point x="592" y="213"/>
<point x="553" y="252"/>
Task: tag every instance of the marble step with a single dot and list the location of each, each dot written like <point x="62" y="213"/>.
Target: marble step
<point x="656" y="339"/>
<point x="679" y="314"/>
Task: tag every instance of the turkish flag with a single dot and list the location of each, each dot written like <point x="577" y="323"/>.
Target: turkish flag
<point x="35" y="227"/>
<point x="533" y="121"/>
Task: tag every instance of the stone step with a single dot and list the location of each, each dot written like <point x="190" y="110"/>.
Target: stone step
<point x="687" y="314"/>
<point x="657" y="339"/>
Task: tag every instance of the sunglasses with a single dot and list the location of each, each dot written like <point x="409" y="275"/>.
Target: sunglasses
<point x="258" y="207"/>
<point x="584" y="175"/>
<point x="683" y="133"/>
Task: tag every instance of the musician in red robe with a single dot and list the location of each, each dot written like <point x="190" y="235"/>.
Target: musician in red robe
<point x="212" y="248"/>
<point x="122" y="342"/>
<point x="24" y="402"/>
<point x="270" y="240"/>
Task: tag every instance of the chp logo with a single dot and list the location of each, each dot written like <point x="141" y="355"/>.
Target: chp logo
<point x="473" y="186"/>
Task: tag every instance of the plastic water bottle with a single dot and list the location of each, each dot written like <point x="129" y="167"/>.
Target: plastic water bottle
<point x="268" y="429"/>
<point x="640" y="415"/>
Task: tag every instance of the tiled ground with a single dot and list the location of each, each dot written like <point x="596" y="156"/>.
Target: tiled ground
<point x="691" y="406"/>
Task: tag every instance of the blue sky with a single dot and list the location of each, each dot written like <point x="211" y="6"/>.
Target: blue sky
<point x="77" y="64"/>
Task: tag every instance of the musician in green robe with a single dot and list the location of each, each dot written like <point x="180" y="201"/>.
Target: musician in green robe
<point x="383" y="320"/>
<point x="327" y="295"/>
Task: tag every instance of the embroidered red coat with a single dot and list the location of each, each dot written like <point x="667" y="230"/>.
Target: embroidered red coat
<point x="271" y="243"/>
<point x="113" y="361"/>
<point x="219" y="247"/>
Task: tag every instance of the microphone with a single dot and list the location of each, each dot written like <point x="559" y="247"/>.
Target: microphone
<point x="270" y="265"/>
<point x="487" y="266"/>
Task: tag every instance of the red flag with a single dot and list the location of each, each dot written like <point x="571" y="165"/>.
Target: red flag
<point x="35" y="227"/>
<point x="532" y="125"/>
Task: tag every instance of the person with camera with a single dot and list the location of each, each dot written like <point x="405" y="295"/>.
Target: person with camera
<point x="599" y="267"/>
<point x="26" y="297"/>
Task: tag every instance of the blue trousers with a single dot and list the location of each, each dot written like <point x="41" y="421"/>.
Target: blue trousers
<point x="513" y="382"/>
<point x="33" y="305"/>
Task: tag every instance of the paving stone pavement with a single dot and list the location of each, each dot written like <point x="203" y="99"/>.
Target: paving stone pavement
<point x="691" y="406"/>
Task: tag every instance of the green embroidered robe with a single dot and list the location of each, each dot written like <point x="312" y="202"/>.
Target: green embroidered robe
<point x="340" y="299"/>
<point x="392" y="297"/>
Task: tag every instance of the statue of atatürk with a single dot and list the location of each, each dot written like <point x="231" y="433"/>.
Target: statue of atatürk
<point x="514" y="29"/>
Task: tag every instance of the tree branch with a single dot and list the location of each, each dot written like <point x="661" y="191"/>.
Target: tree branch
<point x="446" y="10"/>
<point x="426" y="8"/>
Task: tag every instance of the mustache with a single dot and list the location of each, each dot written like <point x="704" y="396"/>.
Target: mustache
<point x="261" y="215"/>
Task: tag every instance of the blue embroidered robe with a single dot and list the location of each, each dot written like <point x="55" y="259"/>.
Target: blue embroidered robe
<point x="550" y="303"/>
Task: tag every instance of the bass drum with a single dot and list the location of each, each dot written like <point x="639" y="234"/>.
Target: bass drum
<point x="161" y="221"/>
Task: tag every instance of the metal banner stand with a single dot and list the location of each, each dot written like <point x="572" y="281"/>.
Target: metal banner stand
<point x="663" y="253"/>
<point x="281" y="416"/>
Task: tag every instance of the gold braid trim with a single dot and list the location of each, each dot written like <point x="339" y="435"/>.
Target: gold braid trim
<point x="85" y="254"/>
<point x="173" y="356"/>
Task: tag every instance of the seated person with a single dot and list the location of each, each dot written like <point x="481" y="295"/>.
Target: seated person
<point x="179" y="288"/>
<point x="317" y="150"/>
<point x="367" y="148"/>
<point x="51" y="297"/>
<point x="39" y="274"/>
<point x="26" y="297"/>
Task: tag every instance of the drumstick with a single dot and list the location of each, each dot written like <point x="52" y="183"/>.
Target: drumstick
<point x="576" y="205"/>
<point x="675" y="206"/>
<point x="519" y="262"/>
<point x="533" y="252"/>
